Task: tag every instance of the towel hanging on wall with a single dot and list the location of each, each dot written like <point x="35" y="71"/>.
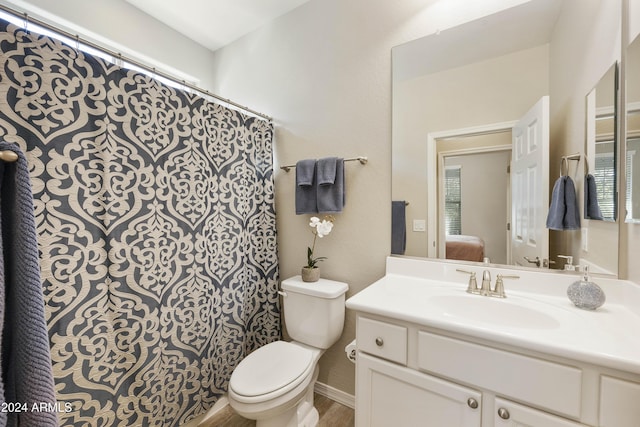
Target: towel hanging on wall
<point x="306" y="191"/>
<point x="330" y="195"/>
<point x="320" y="184"/>
<point x="563" y="212"/>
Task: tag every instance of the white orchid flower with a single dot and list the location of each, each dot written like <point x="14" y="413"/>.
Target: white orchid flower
<point x="320" y="229"/>
<point x="314" y="221"/>
<point x="324" y="228"/>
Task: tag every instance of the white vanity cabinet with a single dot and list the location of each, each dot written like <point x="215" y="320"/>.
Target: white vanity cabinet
<point x="412" y="375"/>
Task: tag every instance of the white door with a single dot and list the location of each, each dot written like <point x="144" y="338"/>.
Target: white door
<point x="530" y="187"/>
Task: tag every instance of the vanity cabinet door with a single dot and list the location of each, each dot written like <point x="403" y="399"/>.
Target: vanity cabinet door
<point x="509" y="414"/>
<point x="391" y="395"/>
<point x="619" y="403"/>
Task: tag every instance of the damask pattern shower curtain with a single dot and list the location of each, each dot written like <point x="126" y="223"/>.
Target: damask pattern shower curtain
<point x="156" y="228"/>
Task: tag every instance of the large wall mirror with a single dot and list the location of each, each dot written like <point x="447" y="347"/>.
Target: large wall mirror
<point x="465" y="101"/>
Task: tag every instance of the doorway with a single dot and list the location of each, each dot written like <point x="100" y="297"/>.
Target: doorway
<point x="473" y="196"/>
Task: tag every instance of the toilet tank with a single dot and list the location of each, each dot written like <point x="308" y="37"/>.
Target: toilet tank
<point x="314" y="312"/>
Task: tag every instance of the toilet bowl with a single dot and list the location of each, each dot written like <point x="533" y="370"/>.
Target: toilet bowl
<point x="274" y="384"/>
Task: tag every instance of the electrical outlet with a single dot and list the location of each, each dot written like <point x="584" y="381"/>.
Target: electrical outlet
<point x="419" y="225"/>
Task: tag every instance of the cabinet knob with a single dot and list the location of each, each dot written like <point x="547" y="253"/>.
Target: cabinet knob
<point x="473" y="404"/>
<point x="379" y="342"/>
<point x="503" y="413"/>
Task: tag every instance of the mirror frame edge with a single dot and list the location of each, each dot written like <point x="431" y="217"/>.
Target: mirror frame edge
<point x="621" y="129"/>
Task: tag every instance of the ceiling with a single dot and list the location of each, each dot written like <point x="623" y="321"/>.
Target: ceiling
<point x="524" y="26"/>
<point x="215" y="23"/>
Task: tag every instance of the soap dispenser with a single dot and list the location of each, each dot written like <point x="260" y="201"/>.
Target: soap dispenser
<point x="585" y="294"/>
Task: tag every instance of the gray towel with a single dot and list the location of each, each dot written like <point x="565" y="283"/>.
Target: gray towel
<point x="331" y="197"/>
<point x="563" y="212"/>
<point x="398" y="227"/>
<point x="572" y="215"/>
<point x="27" y="375"/>
<point x="555" y="218"/>
<point x="591" y="206"/>
<point x="326" y="170"/>
<point x="306" y="191"/>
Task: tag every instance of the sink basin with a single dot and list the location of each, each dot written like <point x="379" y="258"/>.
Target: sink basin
<point x="505" y="312"/>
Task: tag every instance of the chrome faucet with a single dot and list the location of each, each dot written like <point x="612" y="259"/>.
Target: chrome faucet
<point x="485" y="290"/>
<point x="486" y="283"/>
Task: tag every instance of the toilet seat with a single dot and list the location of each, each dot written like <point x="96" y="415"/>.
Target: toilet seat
<point x="271" y="371"/>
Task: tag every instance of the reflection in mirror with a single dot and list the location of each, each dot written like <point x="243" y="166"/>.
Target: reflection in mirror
<point x="479" y="79"/>
<point x="601" y="147"/>
<point x="633" y="131"/>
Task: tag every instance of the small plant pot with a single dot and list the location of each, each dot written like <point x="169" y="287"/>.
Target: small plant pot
<point x="310" y="274"/>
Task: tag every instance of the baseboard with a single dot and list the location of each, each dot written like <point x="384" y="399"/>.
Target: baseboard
<point x="336" y="395"/>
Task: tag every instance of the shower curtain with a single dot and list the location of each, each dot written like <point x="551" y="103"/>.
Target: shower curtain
<point x="156" y="228"/>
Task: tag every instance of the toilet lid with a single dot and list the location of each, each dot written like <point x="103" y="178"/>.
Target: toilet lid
<point x="270" y="368"/>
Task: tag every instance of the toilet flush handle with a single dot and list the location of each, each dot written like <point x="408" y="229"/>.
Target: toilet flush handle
<point x="282" y="293"/>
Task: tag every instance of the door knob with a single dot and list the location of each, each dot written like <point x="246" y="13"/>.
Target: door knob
<point x="533" y="261"/>
<point x="473" y="404"/>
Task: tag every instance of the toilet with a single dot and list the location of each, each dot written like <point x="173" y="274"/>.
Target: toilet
<point x="274" y="384"/>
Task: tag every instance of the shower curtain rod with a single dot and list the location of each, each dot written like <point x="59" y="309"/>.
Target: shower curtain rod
<point x="121" y="57"/>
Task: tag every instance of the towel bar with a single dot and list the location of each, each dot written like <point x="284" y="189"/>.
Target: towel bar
<point x="8" y="156"/>
<point x="361" y="159"/>
<point x="564" y="161"/>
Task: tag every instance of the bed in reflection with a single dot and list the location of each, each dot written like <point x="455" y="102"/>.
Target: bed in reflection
<point x="465" y="248"/>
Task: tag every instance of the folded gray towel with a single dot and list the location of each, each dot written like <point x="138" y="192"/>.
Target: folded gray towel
<point x="331" y="197"/>
<point x="572" y="215"/>
<point x="555" y="218"/>
<point x="326" y="170"/>
<point x="305" y="187"/>
<point x="305" y="172"/>
<point x="591" y="206"/>
<point x="398" y="227"/>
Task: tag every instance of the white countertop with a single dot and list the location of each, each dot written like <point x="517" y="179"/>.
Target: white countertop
<point x="536" y="314"/>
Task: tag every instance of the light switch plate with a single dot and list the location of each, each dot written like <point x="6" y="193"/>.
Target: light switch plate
<point x="419" y="225"/>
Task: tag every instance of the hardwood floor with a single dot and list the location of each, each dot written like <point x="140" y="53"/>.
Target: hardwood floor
<point x="332" y="414"/>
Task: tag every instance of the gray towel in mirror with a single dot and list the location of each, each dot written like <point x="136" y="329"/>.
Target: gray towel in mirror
<point x="572" y="214"/>
<point x="398" y="227"/>
<point x="591" y="206"/>
<point x="555" y="217"/>
<point x="563" y="212"/>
